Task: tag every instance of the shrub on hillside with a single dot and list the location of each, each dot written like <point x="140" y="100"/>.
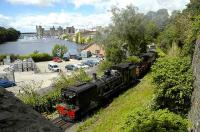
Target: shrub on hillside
<point x="104" y="65"/>
<point x="154" y="121"/>
<point x="37" y="57"/>
<point x="2" y="56"/>
<point x="173" y="79"/>
<point x="133" y="59"/>
<point x="46" y="103"/>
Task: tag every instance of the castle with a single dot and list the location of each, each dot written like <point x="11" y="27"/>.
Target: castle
<point x="41" y="32"/>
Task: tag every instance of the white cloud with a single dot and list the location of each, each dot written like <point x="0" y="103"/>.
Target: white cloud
<point x="100" y="17"/>
<point x="28" y="23"/>
<point x="4" y="20"/>
<point x="34" y="2"/>
<point x="143" y="5"/>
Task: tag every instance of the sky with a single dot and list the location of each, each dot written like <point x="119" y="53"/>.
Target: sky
<point x="24" y="15"/>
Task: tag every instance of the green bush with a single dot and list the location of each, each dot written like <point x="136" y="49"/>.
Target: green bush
<point x="46" y="103"/>
<point x="37" y="57"/>
<point x="104" y="65"/>
<point x="154" y="121"/>
<point x="2" y="56"/>
<point x="173" y="79"/>
<point x="59" y="50"/>
<point x="133" y="59"/>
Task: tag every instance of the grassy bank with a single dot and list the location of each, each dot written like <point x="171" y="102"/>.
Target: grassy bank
<point x="112" y="117"/>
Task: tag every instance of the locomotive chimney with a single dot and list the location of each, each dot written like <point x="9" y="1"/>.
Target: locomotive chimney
<point x="94" y="76"/>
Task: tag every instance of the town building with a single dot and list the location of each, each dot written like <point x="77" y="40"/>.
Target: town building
<point x="53" y="32"/>
<point x="95" y="49"/>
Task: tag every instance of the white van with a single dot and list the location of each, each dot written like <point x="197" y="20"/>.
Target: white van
<point x="53" y="67"/>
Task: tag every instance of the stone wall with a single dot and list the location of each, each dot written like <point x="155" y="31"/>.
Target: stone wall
<point x="194" y="114"/>
<point x="15" y="116"/>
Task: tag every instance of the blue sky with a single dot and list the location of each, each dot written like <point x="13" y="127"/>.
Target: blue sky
<point x="24" y="15"/>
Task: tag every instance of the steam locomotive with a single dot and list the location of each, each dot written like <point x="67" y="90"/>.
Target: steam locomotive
<point x="80" y="99"/>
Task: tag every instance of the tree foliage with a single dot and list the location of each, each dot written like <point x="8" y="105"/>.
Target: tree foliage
<point x="9" y="34"/>
<point x="130" y="32"/>
<point x="173" y="79"/>
<point x="47" y="102"/>
<point x="182" y="29"/>
<point x="154" y="121"/>
<point x="59" y="50"/>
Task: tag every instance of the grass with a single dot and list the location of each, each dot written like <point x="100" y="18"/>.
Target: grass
<point x="111" y="118"/>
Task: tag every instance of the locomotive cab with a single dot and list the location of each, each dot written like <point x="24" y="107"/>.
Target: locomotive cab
<point x="128" y="72"/>
<point x="77" y="100"/>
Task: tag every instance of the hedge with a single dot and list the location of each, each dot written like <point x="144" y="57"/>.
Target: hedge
<point x="37" y="57"/>
<point x="154" y="121"/>
<point x="173" y="79"/>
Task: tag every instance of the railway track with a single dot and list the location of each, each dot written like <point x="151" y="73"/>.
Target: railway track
<point x="61" y="123"/>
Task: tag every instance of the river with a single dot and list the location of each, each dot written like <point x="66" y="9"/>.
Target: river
<point x="29" y="45"/>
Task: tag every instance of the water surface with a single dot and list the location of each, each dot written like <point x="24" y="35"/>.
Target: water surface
<point x="28" y="45"/>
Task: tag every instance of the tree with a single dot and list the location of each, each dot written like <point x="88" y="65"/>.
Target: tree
<point x="129" y="26"/>
<point x="172" y="77"/>
<point x="59" y="50"/>
<point x="129" y="33"/>
<point x="77" y="37"/>
<point x="9" y="34"/>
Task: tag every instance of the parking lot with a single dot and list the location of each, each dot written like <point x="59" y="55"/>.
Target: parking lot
<point x="45" y="77"/>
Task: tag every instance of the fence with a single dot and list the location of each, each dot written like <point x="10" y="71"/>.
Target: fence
<point x="25" y="65"/>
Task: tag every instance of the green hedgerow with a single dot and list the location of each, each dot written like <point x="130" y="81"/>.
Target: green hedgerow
<point x="154" y="121"/>
<point x="173" y="79"/>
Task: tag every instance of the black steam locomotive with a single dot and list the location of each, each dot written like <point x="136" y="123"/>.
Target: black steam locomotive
<point x="78" y="100"/>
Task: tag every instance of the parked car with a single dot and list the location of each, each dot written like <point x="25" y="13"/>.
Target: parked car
<point x="90" y="63"/>
<point x="71" y="67"/>
<point x="66" y="58"/>
<point x="82" y="66"/>
<point x="78" y="57"/>
<point x="6" y="83"/>
<point x="57" y="59"/>
<point x="53" y="67"/>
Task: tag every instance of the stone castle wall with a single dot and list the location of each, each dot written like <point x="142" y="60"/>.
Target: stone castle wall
<point x="41" y="32"/>
<point x="194" y="114"/>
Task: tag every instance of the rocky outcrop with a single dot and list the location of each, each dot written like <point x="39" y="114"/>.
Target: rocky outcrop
<point x="194" y="114"/>
<point x="15" y="116"/>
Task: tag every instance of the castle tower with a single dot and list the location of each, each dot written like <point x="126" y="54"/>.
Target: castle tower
<point x="52" y="31"/>
<point x="39" y="31"/>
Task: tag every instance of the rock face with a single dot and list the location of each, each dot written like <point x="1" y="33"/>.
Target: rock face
<point x="15" y="116"/>
<point x="194" y="114"/>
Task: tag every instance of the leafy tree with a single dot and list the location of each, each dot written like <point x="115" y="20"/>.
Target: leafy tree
<point x="9" y="34"/>
<point x="59" y="50"/>
<point x="90" y="40"/>
<point x="129" y="27"/>
<point x="77" y="37"/>
<point x="66" y="37"/>
<point x="129" y="32"/>
<point x="82" y="40"/>
<point x="173" y="79"/>
<point x="113" y="49"/>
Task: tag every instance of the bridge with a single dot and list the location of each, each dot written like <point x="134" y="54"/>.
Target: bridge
<point x="28" y="34"/>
